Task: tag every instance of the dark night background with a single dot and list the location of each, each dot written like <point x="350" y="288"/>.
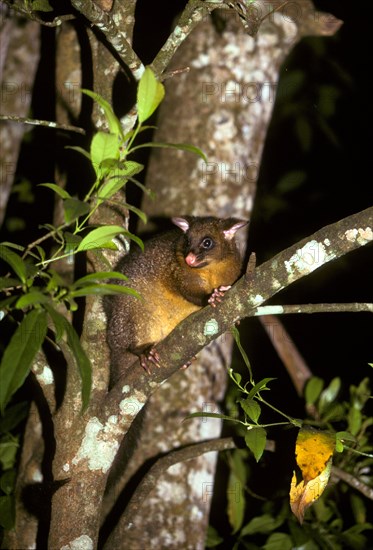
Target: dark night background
<point x="316" y="170"/>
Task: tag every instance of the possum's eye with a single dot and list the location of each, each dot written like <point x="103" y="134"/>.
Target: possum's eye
<point x="207" y="243"/>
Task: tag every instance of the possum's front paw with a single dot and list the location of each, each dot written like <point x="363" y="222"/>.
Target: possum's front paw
<point x="217" y="295"/>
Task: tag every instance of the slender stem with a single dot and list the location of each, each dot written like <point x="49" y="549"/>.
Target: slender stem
<point x="289" y="418"/>
<point x="44" y="238"/>
<point x="45" y="123"/>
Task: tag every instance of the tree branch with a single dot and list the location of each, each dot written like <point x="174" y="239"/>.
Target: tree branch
<point x="288" y="352"/>
<point x="294" y="263"/>
<point x="150" y="480"/>
<point x="46" y="123"/>
<point x="194" y="12"/>
<point x="314" y="308"/>
<point x="354" y="482"/>
<point x="114" y="34"/>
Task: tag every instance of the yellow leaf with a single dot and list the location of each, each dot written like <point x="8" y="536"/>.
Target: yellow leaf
<point x="314" y="451"/>
<point x="305" y="493"/>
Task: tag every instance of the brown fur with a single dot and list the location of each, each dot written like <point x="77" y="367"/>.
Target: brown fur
<point x="170" y="288"/>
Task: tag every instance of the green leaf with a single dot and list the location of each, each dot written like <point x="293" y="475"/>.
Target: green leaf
<point x="15" y="262"/>
<point x="31" y="298"/>
<point x="262" y="524"/>
<point x="113" y="122"/>
<point x="120" y="178"/>
<point x="74" y="208"/>
<point x="329" y="395"/>
<point x="212" y="538"/>
<point x="41" y="5"/>
<point x="290" y="84"/>
<point x="178" y="146"/>
<point x="150" y="93"/>
<point x="334" y="413"/>
<point x="251" y="408"/>
<point x="355" y="419"/>
<point x="236" y="336"/>
<point x="313" y="389"/>
<point x="103" y="289"/>
<point x="237" y="460"/>
<point x="7" y="512"/>
<point x="134" y="238"/>
<point x="120" y="168"/>
<point x="71" y="242"/>
<point x="58" y="321"/>
<point x="137" y="131"/>
<point x="278" y="541"/>
<point x="82" y="361"/>
<point x="345" y="436"/>
<point x="79" y="150"/>
<point x="99" y="236"/>
<point x="111" y="187"/>
<point x="13" y="416"/>
<point x="7" y="302"/>
<point x="236" y="377"/>
<point x="358" y="508"/>
<point x="236" y="502"/>
<point x="8" y="481"/>
<point x="41" y="253"/>
<point x="144" y="189"/>
<point x="255" y="439"/>
<point x="57" y="189"/>
<point x="262" y="385"/>
<point x="13" y="245"/>
<point x="111" y="288"/>
<point x="291" y="181"/>
<point x="8" y="451"/>
<point x="104" y="146"/>
<point x="143" y="217"/>
<point x="7" y="282"/>
<point x="20" y="353"/>
<point x="94" y="277"/>
<point x="328" y="96"/>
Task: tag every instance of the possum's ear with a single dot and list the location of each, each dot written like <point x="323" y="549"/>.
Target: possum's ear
<point x="182" y="223"/>
<point x="232" y="230"/>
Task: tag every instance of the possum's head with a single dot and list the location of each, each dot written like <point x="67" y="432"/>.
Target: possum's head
<point x="208" y="241"/>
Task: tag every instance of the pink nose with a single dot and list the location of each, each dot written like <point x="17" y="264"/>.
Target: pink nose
<point x="191" y="259"/>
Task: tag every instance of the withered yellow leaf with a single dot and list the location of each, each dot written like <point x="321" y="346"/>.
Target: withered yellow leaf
<point x="314" y="451"/>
